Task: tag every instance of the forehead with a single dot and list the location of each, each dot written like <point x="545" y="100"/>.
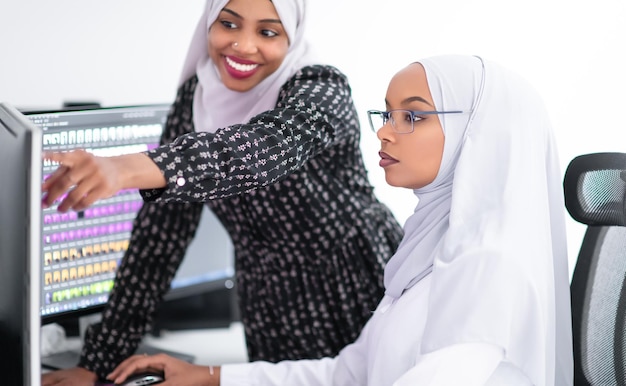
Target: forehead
<point x="259" y="8"/>
<point x="408" y="82"/>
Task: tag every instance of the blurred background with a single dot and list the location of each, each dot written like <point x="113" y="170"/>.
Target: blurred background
<point x="131" y="52"/>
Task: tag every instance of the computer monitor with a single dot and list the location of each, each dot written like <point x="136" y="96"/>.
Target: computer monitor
<point x="20" y="235"/>
<point x="81" y="251"/>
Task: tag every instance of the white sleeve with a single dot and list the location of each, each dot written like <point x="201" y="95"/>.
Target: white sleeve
<point x="471" y="364"/>
<point x="317" y="372"/>
<point x="349" y="368"/>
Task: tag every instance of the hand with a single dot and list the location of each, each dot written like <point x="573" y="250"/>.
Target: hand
<point x="89" y="177"/>
<point x="76" y="376"/>
<point x="176" y="371"/>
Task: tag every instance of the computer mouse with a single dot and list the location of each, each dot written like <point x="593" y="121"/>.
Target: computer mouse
<point x="143" y="379"/>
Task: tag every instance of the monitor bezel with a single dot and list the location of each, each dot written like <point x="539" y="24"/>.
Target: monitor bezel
<point x="174" y="294"/>
<point x="28" y="276"/>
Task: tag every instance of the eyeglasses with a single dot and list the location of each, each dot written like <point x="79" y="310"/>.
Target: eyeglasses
<point x="402" y="121"/>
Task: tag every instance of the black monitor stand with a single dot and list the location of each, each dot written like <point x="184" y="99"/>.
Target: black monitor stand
<point x="211" y="309"/>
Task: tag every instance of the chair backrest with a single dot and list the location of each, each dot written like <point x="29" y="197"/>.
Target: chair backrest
<point x="595" y="188"/>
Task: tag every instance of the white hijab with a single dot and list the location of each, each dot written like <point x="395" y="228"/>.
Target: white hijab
<point x="216" y="106"/>
<point x="491" y="227"/>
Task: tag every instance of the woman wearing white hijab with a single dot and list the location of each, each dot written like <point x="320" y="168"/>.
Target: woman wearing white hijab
<point x="271" y="143"/>
<point x="478" y="291"/>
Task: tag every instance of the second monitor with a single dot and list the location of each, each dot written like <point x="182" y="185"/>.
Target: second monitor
<point x="81" y="251"/>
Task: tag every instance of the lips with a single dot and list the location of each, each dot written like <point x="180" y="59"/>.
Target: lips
<point x="239" y="68"/>
<point x="386" y="159"/>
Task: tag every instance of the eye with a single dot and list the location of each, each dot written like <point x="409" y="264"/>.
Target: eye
<point x="228" y="24"/>
<point x="411" y="117"/>
<point x="408" y="117"/>
<point x="269" y="33"/>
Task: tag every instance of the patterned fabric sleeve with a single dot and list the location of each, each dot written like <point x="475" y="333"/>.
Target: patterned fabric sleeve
<point x="160" y="236"/>
<point x="307" y="120"/>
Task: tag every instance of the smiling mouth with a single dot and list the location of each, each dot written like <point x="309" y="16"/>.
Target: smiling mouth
<point x="240" y="67"/>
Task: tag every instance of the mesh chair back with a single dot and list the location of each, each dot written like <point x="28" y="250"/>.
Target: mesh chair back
<point x="595" y="187"/>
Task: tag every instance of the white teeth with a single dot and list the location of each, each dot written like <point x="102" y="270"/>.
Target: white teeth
<point x="239" y="66"/>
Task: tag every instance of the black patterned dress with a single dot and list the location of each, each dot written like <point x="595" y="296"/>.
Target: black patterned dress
<point x="290" y="186"/>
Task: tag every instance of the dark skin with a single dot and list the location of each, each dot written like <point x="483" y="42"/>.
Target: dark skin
<point x="176" y="371"/>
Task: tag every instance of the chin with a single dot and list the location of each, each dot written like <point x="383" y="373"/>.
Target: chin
<point x="237" y="85"/>
<point x="393" y="182"/>
<point x="238" y="88"/>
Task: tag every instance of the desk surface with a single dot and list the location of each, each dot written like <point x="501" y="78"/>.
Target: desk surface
<point x="214" y="346"/>
<point x="210" y="346"/>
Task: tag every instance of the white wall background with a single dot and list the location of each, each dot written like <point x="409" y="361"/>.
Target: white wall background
<point x="129" y="52"/>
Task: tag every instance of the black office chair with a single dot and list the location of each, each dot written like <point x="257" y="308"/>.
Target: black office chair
<point x="595" y="188"/>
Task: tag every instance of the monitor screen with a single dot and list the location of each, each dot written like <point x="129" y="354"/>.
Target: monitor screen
<point x="81" y="251"/>
<point x="20" y="235"/>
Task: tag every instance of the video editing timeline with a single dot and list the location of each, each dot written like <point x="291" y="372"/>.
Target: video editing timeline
<point x="82" y="250"/>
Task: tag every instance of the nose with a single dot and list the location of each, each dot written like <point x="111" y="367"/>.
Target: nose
<point x="245" y="44"/>
<point x="385" y="133"/>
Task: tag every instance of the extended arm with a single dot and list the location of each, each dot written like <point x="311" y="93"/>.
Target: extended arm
<point x="93" y="177"/>
<point x="314" y="113"/>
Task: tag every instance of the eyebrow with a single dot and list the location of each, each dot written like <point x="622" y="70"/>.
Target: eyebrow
<point x="235" y="14"/>
<point x="412" y="99"/>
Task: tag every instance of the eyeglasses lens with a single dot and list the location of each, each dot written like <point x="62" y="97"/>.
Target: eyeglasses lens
<point x="401" y="120"/>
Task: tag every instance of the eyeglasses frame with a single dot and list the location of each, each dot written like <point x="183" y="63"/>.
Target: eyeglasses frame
<point x="386" y="115"/>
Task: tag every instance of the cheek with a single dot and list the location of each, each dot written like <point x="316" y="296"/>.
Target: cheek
<point x="435" y="153"/>
<point x="427" y="159"/>
<point x="210" y="46"/>
<point x="276" y="52"/>
<point x="216" y="41"/>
